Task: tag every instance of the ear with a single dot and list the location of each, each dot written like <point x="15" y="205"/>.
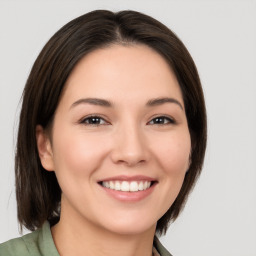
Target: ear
<point x="44" y="148"/>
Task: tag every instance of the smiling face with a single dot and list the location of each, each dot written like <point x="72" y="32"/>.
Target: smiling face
<point x="120" y="141"/>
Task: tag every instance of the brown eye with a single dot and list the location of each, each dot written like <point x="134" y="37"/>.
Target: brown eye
<point x="162" y="120"/>
<point x="94" y="120"/>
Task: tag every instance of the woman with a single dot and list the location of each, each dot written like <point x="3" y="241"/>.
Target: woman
<point x="111" y="139"/>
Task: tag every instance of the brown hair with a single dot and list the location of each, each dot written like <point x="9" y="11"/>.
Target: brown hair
<point x="37" y="191"/>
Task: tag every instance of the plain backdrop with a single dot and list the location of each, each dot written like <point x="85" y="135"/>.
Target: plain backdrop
<point x="220" y="216"/>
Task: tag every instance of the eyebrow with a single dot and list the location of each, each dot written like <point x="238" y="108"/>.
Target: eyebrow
<point x="106" y="103"/>
<point x="160" y="101"/>
<point x="92" y="101"/>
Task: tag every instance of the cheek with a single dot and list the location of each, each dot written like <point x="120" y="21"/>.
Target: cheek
<point x="76" y="153"/>
<point x="173" y="153"/>
<point x="172" y="156"/>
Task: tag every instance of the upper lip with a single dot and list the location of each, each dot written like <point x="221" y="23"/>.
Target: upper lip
<point x="128" y="178"/>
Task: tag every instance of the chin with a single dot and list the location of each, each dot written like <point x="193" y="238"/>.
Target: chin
<point x="131" y="227"/>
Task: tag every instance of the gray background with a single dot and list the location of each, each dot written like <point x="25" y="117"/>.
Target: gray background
<point x="220" y="216"/>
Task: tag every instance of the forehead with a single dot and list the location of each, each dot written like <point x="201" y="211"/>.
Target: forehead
<point x="122" y="72"/>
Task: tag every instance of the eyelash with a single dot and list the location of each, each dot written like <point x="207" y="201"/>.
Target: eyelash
<point x="90" y="120"/>
<point x="163" y="119"/>
<point x="93" y="118"/>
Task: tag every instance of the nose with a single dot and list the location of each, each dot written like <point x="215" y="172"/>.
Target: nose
<point x="130" y="146"/>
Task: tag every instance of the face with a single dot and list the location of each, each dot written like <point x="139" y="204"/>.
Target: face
<point x="120" y="141"/>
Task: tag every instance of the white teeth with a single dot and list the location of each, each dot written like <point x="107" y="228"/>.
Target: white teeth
<point x="105" y="184"/>
<point x="134" y="186"/>
<point x="117" y="185"/>
<point x="141" y="187"/>
<point x="111" y="185"/>
<point x="126" y="186"/>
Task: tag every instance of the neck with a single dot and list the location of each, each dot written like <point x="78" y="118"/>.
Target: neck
<point x="78" y="236"/>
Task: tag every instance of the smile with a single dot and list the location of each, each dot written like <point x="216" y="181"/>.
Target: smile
<point x="127" y="186"/>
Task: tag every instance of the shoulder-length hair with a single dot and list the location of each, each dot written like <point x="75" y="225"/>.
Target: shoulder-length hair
<point x="37" y="190"/>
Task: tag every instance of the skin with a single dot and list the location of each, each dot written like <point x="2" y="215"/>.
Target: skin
<point x="127" y="140"/>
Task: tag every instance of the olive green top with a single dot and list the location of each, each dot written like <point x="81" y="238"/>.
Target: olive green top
<point x="40" y="243"/>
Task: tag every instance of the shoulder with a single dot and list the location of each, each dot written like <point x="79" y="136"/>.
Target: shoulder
<point x="160" y="248"/>
<point x="17" y="246"/>
<point x="37" y="243"/>
<point x="13" y="247"/>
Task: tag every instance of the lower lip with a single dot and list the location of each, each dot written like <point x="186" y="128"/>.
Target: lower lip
<point x="129" y="196"/>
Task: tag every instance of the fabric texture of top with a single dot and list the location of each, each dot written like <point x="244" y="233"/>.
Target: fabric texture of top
<point x="40" y="243"/>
